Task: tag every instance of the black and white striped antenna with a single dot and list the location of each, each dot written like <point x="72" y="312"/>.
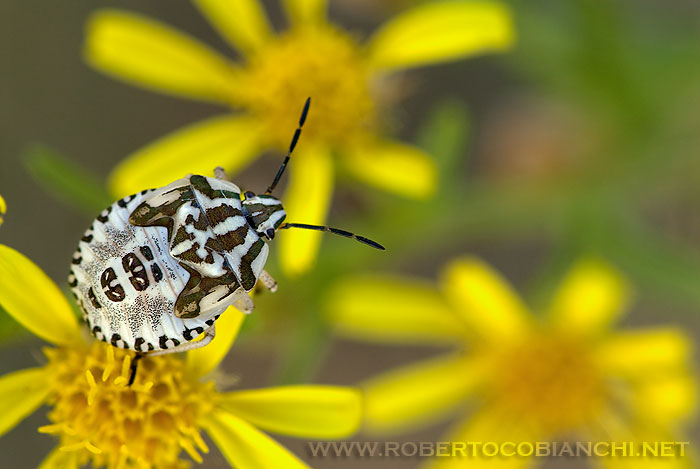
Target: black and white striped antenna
<point x="292" y="145"/>
<point x="280" y="172"/>
<point x="335" y="231"/>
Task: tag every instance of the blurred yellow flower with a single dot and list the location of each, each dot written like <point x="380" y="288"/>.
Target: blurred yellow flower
<point x="345" y="79"/>
<point x="3" y="209"/>
<point x="101" y="421"/>
<point x="515" y="377"/>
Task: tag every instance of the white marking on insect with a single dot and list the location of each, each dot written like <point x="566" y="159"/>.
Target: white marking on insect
<point x="231" y="224"/>
<point x="276" y="218"/>
<point x="268" y="201"/>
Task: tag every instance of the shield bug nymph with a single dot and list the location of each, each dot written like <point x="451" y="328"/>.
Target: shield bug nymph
<point x="156" y="269"/>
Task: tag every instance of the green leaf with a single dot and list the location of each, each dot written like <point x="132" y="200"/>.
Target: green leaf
<point x="445" y="135"/>
<point x="309" y="344"/>
<point x="65" y="180"/>
<point x="670" y="270"/>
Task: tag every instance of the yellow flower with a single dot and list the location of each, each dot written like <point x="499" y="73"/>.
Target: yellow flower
<point x="522" y="378"/>
<point x="277" y="72"/>
<point x="3" y="209"/>
<point x="101" y="421"/>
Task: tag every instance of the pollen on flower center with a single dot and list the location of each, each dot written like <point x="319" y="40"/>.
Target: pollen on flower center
<point x="108" y="423"/>
<point x="548" y="383"/>
<point x="322" y="63"/>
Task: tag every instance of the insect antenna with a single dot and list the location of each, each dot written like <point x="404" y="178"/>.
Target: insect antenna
<point x="295" y="139"/>
<point x="336" y="231"/>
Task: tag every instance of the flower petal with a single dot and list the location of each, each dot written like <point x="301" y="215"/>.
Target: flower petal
<point x="3" y="209"/>
<point x="403" y="169"/>
<point x="392" y="309"/>
<point x="441" y="32"/>
<point x="307" y="200"/>
<point x="58" y="459"/>
<point x="203" y="360"/>
<point x="299" y="411"/>
<point x="148" y="53"/>
<point x="34" y="300"/>
<point x="642" y="354"/>
<point x="243" y="22"/>
<point x="591" y="297"/>
<point x="305" y="11"/>
<point x="228" y="141"/>
<point x="245" y="447"/>
<point x="21" y="393"/>
<point x="665" y="402"/>
<point x="488" y="304"/>
<point x="414" y="395"/>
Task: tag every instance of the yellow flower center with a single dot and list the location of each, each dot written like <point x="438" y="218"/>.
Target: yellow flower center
<point x="146" y="425"/>
<point x="322" y="63"/>
<point x="548" y="383"/>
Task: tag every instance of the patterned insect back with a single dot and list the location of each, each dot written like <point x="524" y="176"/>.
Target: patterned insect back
<point x="209" y="236"/>
<point x="124" y="279"/>
<point x="156" y="269"/>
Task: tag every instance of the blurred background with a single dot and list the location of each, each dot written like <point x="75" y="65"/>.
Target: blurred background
<point x="583" y="139"/>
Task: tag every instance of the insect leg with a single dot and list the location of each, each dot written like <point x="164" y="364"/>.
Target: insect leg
<point x="220" y="173"/>
<point x="209" y="334"/>
<point x="134" y="367"/>
<point x="242" y="302"/>
<point x="267" y="281"/>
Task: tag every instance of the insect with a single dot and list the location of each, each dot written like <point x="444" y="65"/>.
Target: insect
<point x="156" y="269"/>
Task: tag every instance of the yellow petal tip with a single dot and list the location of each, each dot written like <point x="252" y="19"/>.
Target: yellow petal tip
<point x="3" y="209"/>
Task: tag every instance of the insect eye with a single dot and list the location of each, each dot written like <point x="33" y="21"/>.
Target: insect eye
<point x="249" y="194"/>
<point x="270" y="233"/>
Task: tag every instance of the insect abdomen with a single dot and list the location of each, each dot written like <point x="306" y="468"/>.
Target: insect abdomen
<point x="127" y="283"/>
